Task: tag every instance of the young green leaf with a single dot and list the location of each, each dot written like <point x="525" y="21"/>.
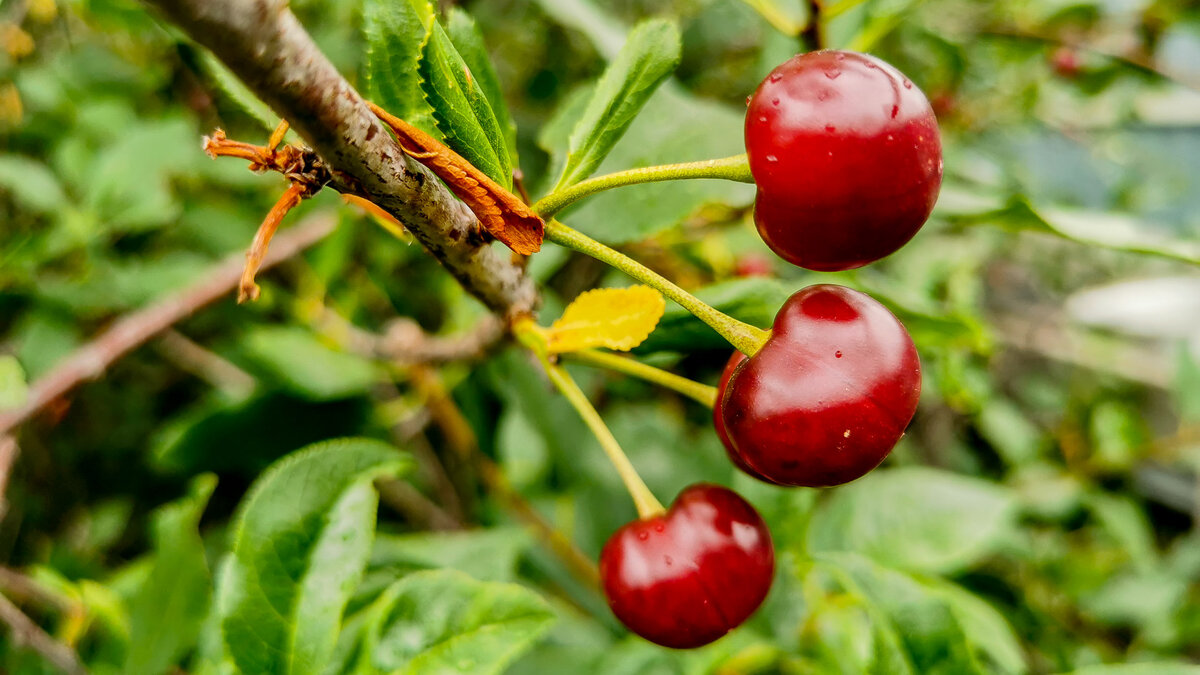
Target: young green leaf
<point x="301" y="542"/>
<point x="649" y="56"/>
<point x="461" y="109"/>
<point x="166" y="614"/>
<point x="13" y="388"/>
<point x="396" y="32"/>
<point x="443" y="621"/>
<point x="468" y="40"/>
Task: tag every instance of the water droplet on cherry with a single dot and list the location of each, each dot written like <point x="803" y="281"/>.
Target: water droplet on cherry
<point x="772" y="159"/>
<point x="837" y="354"/>
<point x="775" y="101"/>
<point x="775" y="77"/>
<point x="907" y="83"/>
<point x="833" y="73"/>
<point x="830" y="128"/>
<point x="643" y="535"/>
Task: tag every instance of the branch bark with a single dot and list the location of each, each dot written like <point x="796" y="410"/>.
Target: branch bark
<point x="25" y="632"/>
<point x="135" y="328"/>
<point x="263" y="44"/>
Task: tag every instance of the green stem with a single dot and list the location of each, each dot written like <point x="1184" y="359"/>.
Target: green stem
<point x="736" y="168"/>
<point x="701" y="393"/>
<point x="746" y="338"/>
<point x="643" y="498"/>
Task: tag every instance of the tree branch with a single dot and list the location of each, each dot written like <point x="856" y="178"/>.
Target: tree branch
<point x="25" y="632"/>
<point x="262" y="42"/>
<point x="135" y="328"/>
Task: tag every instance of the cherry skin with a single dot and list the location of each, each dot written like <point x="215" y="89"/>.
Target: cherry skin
<point x="684" y="578"/>
<point x="847" y="157"/>
<point x="719" y="421"/>
<point x="829" y="394"/>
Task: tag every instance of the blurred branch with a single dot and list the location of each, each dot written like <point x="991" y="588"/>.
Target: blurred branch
<point x="405" y="342"/>
<point x="1137" y="61"/>
<point x="459" y="435"/>
<point x="262" y="42"/>
<point x="8" y="456"/>
<point x="25" y="632"/>
<point x="205" y="364"/>
<point x="1054" y="339"/>
<point x="409" y="501"/>
<point x="134" y="329"/>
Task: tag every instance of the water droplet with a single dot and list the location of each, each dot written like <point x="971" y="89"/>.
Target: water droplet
<point x="840" y="56"/>
<point x="747" y="101"/>
<point x="762" y="118"/>
<point x="895" y="111"/>
<point x="831" y="153"/>
<point x="830" y="128"/>
<point x="822" y="95"/>
<point x="643" y="535"/>
<point x="837" y="354"/>
<point x="775" y="77"/>
<point x="891" y="138"/>
<point x="833" y="73"/>
<point x="667" y="559"/>
<point x="772" y="159"/>
<point x="907" y="83"/>
<point x="847" y="434"/>
<point x="659" y="527"/>
<point x="774" y="101"/>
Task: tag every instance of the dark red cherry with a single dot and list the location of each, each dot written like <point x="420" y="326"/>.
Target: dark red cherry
<point x="685" y="578"/>
<point x="719" y="422"/>
<point x="829" y="394"/>
<point x="847" y="157"/>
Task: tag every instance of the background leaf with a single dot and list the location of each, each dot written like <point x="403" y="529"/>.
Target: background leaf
<point x="166" y="614"/>
<point x="915" y="518"/>
<point x="396" y="33"/>
<point x="468" y="40"/>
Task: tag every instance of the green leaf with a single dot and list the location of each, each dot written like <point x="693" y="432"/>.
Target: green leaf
<point x="929" y="632"/>
<point x="168" y="610"/>
<point x="605" y="33"/>
<point x="396" y="32"/>
<point x="754" y="300"/>
<point x="489" y="555"/>
<point x="649" y="56"/>
<point x="915" y="518"/>
<point x="443" y="621"/>
<point x="461" y="109"/>
<point x="985" y="627"/>
<point x="297" y="358"/>
<point x="31" y="184"/>
<point x="13" y="388"/>
<point x="301" y="541"/>
<point x="468" y="40"/>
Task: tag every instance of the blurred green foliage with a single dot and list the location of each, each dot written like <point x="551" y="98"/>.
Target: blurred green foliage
<point x="1040" y="517"/>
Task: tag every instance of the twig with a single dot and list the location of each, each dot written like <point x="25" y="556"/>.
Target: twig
<point x="459" y="435"/>
<point x="263" y="44"/>
<point x="203" y="363"/>
<point x="8" y="457"/>
<point x="25" y="632"/>
<point x="134" y="329"/>
<point x="409" y="501"/>
<point x="812" y="37"/>
<point x="23" y="589"/>
<point x="405" y="342"/>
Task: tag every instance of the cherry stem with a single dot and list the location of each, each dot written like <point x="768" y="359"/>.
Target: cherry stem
<point x="701" y="393"/>
<point x="746" y="338"/>
<point x="736" y="168"/>
<point x="774" y="16"/>
<point x="647" y="505"/>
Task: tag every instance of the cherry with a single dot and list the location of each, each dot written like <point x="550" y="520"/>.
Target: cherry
<point x="684" y="578"/>
<point x="847" y="157"/>
<point x="719" y="422"/>
<point x="829" y="394"/>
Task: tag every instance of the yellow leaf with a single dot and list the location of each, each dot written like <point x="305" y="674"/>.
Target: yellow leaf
<point x="616" y="318"/>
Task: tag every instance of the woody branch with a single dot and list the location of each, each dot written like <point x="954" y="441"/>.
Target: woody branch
<point x="262" y="42"/>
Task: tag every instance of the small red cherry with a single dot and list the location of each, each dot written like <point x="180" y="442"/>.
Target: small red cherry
<point x="719" y="422"/>
<point x="847" y="157"/>
<point x="829" y="394"/>
<point x="684" y="578"/>
<point x="1066" y="63"/>
<point x="753" y="264"/>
